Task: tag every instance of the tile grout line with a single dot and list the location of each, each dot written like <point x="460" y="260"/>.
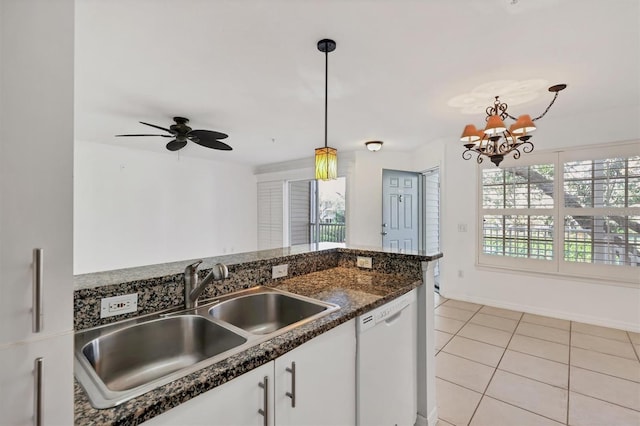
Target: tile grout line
<point x="495" y="369"/>
<point x="606" y="374"/>
<point x="604" y="400"/>
<point x="569" y="372"/>
<point x="456" y="333"/>
<point x="632" y="345"/>
<point x="523" y="409"/>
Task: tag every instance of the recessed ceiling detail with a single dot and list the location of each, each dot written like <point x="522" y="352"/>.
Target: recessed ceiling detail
<point x="512" y="92"/>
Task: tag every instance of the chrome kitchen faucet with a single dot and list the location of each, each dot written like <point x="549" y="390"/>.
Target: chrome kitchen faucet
<point x="193" y="289"/>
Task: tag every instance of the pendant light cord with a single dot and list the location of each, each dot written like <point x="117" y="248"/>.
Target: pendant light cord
<point x="326" y="91"/>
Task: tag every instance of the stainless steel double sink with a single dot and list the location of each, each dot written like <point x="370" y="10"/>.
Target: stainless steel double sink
<point x="117" y="362"/>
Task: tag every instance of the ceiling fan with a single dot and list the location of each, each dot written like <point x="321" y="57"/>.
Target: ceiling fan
<point x="183" y="133"/>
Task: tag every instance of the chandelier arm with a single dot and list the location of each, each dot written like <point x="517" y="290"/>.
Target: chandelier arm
<point x="466" y="154"/>
<point x="511" y="116"/>
<point x="527" y="147"/>
<point x="516" y="153"/>
<point x="479" y="159"/>
<point x="548" y="107"/>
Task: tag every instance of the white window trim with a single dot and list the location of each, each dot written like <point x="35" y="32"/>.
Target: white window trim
<point x="627" y="276"/>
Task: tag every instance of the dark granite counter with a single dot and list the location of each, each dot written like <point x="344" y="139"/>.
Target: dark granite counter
<point x="356" y="291"/>
<point x="324" y="272"/>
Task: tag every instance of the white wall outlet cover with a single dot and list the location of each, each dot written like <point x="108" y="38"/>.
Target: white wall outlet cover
<point x="280" y="271"/>
<point x="117" y="305"/>
<point x="364" y="262"/>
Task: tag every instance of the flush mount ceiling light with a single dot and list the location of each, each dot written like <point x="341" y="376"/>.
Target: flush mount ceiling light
<point x="326" y="157"/>
<point x="374" y="146"/>
<point x="495" y="140"/>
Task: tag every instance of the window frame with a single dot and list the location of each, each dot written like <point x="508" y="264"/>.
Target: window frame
<point x="558" y="266"/>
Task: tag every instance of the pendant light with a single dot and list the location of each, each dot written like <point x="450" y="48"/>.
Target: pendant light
<point x="326" y="157"/>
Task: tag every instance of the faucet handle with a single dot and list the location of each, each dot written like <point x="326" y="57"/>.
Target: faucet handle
<point x="220" y="271"/>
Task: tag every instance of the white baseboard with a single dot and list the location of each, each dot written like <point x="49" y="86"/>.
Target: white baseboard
<point x="431" y="421"/>
<point x="589" y="319"/>
<point x="421" y="421"/>
<point x="433" y="417"/>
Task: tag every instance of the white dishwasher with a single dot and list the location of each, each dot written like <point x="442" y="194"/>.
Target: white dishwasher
<point x="386" y="367"/>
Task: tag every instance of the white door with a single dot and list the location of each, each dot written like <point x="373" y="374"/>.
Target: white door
<point x="240" y="402"/>
<point x="400" y="201"/>
<point x="324" y="382"/>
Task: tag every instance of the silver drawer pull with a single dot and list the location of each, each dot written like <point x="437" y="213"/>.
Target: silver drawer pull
<point x="37" y="391"/>
<point x="265" y="412"/>
<point x="292" y="394"/>
<point x="38" y="254"/>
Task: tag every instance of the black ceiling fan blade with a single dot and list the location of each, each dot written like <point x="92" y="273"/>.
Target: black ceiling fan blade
<point x="175" y="145"/>
<point x="212" y="143"/>
<point x="164" y="136"/>
<point x="208" y="134"/>
<point x="157" y="127"/>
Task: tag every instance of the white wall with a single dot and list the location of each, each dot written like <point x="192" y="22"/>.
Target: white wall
<point x="364" y="194"/>
<point x="598" y="303"/>
<point x="135" y="208"/>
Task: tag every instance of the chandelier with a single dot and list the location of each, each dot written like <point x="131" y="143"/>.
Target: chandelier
<point x="495" y="140"/>
<point x="326" y="157"/>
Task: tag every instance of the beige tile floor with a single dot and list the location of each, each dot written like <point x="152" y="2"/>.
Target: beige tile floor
<point x="497" y="367"/>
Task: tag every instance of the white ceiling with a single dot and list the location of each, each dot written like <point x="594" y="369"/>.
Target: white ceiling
<point x="251" y="68"/>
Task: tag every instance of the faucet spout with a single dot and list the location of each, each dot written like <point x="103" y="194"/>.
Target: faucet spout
<point x="193" y="289"/>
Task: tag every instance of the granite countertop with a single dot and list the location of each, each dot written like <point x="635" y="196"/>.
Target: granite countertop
<point x="356" y="291"/>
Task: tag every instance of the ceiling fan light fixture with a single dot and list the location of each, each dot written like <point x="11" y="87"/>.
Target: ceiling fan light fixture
<point x="374" y="146"/>
<point x="326" y="157"/>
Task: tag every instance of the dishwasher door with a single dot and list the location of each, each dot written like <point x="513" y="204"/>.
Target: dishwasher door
<point x="386" y="368"/>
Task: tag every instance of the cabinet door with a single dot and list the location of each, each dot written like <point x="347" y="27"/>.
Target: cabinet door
<point x="236" y="403"/>
<point x="36" y="163"/>
<point x="18" y="382"/>
<point x="325" y="377"/>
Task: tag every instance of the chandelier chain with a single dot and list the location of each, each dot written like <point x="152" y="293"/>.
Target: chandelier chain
<point x="547" y="110"/>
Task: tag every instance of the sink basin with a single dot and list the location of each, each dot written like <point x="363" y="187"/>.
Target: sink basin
<point x="120" y="361"/>
<point x="265" y="311"/>
<point x="124" y="361"/>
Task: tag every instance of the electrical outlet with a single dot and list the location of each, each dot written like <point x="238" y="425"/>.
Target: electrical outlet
<point x="462" y="227"/>
<point x="116" y="305"/>
<point x="364" y="262"/>
<point x="280" y="271"/>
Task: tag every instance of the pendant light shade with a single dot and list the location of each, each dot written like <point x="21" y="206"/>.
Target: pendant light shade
<point x="326" y="157"/>
<point x="326" y="163"/>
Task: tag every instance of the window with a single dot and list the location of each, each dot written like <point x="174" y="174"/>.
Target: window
<point x="574" y="212"/>
<point x="317" y="211"/>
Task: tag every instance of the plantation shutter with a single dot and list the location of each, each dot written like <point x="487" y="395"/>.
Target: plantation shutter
<point x="270" y="214"/>
<point x="300" y="211"/>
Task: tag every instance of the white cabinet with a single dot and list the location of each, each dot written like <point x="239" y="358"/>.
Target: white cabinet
<point x="36" y="163"/>
<point x="325" y="381"/>
<point x="18" y="378"/>
<point x="235" y="403"/>
<point x="325" y="390"/>
<point x="36" y="206"/>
